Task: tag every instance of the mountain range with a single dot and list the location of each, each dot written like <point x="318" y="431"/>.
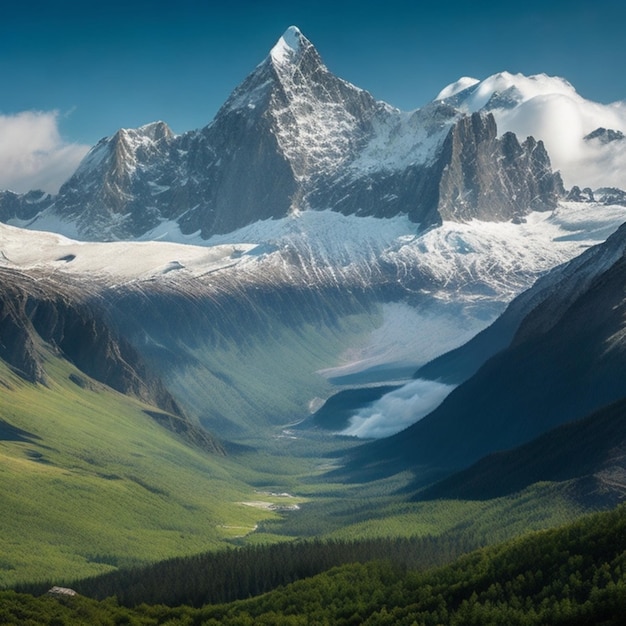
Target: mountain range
<point x="315" y="265"/>
<point x="292" y="137"/>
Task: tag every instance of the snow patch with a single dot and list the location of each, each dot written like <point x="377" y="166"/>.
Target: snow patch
<point x="397" y="141"/>
<point x="113" y="261"/>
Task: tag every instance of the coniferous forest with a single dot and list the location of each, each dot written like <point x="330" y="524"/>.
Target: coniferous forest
<point x="574" y="574"/>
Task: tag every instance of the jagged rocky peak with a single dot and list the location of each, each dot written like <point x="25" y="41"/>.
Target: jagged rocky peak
<point x="23" y="206"/>
<point x="491" y="178"/>
<point x="605" y="135"/>
<point x="605" y="195"/>
<point x="107" y="169"/>
<point x="317" y="119"/>
<point x="293" y="59"/>
<point x="610" y="195"/>
<point x="294" y="136"/>
<point x="108" y="195"/>
<point x="576" y="194"/>
<point x="126" y="146"/>
<point x="156" y="131"/>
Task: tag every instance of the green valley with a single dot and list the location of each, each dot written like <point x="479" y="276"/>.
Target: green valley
<point x="91" y="482"/>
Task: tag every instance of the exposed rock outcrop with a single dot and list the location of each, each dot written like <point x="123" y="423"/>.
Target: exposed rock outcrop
<point x="491" y="178"/>
<point x="23" y="206"/>
<point x="605" y="135"/>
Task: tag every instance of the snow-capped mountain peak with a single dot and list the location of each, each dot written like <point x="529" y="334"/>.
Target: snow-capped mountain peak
<point x="289" y="46"/>
<point x="294" y="136"/>
<point x="125" y="144"/>
<point x="465" y="82"/>
<point x="292" y="61"/>
<point x="471" y="95"/>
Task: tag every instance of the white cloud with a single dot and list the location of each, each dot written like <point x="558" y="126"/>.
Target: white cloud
<point x="398" y="409"/>
<point x="562" y="121"/>
<point x="33" y="154"/>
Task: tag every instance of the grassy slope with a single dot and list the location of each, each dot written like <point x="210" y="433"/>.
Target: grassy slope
<point x="98" y="484"/>
<point x="351" y="514"/>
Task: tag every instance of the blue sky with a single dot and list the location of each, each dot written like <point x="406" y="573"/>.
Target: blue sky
<point x="89" y="68"/>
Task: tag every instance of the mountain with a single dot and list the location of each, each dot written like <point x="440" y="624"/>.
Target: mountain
<point x="309" y="239"/>
<point x="328" y="224"/>
<point x="35" y="312"/>
<point x="564" y="361"/>
<point x="42" y="316"/>
<point x="291" y="137"/>
<point x="250" y="332"/>
<point x="23" y="207"/>
<point x="572" y="278"/>
<point x="584" y="138"/>
<point x="587" y="453"/>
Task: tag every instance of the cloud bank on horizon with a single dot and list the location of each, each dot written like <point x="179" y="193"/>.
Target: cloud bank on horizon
<point x="33" y="155"/>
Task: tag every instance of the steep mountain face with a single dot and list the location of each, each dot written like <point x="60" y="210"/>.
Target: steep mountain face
<point x="472" y="185"/>
<point x="44" y="317"/>
<point x="23" y="207"/>
<point x="36" y="313"/>
<point x="293" y="136"/>
<point x="588" y="453"/>
<point x="565" y="360"/>
<point x="115" y="189"/>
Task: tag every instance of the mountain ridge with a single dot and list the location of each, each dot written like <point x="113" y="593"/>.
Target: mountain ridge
<point x="39" y="316"/>
<point x="292" y="136"/>
<point x="588" y="452"/>
<point x="563" y="361"/>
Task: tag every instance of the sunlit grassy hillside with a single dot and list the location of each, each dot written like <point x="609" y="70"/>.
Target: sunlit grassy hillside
<point x="89" y="481"/>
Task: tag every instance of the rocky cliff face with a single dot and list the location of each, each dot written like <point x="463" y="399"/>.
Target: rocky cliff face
<point x="293" y="136"/>
<point x="23" y="206"/>
<point x="36" y="315"/>
<point x="490" y="178"/>
<point x="115" y="189"/>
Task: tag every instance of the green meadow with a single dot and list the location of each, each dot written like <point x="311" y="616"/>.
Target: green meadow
<point x="94" y="483"/>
